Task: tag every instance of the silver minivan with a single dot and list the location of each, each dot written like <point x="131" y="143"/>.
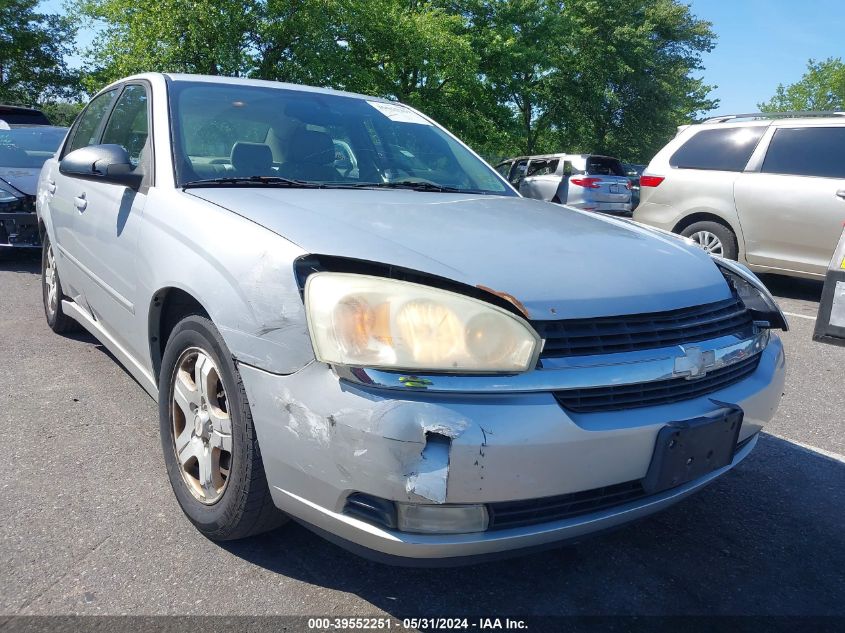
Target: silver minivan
<point x="767" y="190"/>
<point x="584" y="181"/>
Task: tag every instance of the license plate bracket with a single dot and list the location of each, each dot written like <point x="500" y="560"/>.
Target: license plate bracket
<point x="688" y="449"/>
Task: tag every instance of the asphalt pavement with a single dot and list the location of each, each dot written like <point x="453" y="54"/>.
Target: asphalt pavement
<point x="89" y="525"/>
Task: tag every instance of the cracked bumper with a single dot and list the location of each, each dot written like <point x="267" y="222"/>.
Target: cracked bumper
<point x="323" y="438"/>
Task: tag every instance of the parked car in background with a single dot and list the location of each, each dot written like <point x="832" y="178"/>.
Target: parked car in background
<point x="633" y="172"/>
<point x="23" y="150"/>
<point x="767" y="189"/>
<point x="17" y="115"/>
<point x="584" y="181"/>
<point x="379" y="337"/>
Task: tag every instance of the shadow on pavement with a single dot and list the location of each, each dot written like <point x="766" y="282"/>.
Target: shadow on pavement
<point x="765" y="539"/>
<point x="793" y="287"/>
<point x="19" y="261"/>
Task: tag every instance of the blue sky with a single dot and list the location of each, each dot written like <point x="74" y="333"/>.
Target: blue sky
<point x="760" y="43"/>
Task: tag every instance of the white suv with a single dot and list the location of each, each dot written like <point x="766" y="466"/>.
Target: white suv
<point x="765" y="189"/>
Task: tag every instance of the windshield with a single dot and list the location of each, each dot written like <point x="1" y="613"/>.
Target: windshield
<point x="233" y="131"/>
<point x="29" y="146"/>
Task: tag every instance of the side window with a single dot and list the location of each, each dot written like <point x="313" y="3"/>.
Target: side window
<point x="88" y="125"/>
<point x="604" y="166"/>
<point x="542" y="167"/>
<point x="807" y="151"/>
<point x="518" y="172"/>
<point x="504" y="169"/>
<point x="128" y="125"/>
<point x="724" y="149"/>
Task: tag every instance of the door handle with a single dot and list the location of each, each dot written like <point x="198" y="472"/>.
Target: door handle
<point x="841" y="193"/>
<point x="80" y="202"/>
<point x="51" y="187"/>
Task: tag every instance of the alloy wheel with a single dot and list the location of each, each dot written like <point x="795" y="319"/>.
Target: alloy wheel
<point x="709" y="242"/>
<point x="51" y="281"/>
<point x="202" y="427"/>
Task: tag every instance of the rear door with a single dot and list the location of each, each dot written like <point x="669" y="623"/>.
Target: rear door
<point x="604" y="182"/>
<point x="541" y="180"/>
<point x="792" y="209"/>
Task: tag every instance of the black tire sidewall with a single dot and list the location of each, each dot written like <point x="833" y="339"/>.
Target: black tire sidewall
<point x="219" y="519"/>
<point x="725" y="235"/>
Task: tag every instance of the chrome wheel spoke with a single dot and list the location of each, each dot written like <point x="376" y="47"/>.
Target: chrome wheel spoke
<point x="220" y="420"/>
<point x="220" y="440"/>
<point x="205" y="377"/>
<point x="708" y="242"/>
<point x="186" y="396"/>
<point x="181" y="443"/>
<point x="192" y="448"/>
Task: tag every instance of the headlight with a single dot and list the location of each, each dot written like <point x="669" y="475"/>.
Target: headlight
<point x="7" y="196"/>
<point x="754" y="295"/>
<point x="366" y="321"/>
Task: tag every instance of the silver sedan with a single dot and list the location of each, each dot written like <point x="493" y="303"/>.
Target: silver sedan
<point x="348" y="318"/>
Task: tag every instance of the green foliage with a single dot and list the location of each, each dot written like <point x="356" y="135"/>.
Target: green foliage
<point x="821" y="88"/>
<point x="61" y="112"/>
<point x="33" y="47"/>
<point x="508" y="76"/>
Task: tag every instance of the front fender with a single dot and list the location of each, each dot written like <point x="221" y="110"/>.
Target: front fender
<point x="240" y="272"/>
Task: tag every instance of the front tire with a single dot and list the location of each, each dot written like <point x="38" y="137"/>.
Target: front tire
<point x="714" y="238"/>
<point x="210" y="447"/>
<point x="51" y="291"/>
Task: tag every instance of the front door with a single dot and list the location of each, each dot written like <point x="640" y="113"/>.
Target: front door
<point x="62" y="193"/>
<point x="109" y="221"/>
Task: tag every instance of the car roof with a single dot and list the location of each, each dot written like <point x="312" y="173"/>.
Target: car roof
<point x="35" y="126"/>
<point x="240" y="81"/>
<point x="560" y="155"/>
<point x="12" y="109"/>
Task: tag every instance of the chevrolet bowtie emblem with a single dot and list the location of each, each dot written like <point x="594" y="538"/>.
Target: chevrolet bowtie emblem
<point x="694" y="363"/>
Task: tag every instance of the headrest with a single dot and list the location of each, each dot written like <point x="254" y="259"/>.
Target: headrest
<point x="256" y="159"/>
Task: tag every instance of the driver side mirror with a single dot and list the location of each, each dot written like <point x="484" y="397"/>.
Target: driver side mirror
<point x="106" y="163"/>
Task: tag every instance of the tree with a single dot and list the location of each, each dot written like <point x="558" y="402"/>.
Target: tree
<point x="33" y="47"/>
<point x="821" y="88"/>
<point x="195" y="36"/>
<point x="626" y="79"/>
<point x="508" y="76"/>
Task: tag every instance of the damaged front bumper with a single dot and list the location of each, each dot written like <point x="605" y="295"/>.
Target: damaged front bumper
<point x="324" y="439"/>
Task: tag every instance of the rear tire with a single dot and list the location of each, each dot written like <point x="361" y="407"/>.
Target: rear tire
<point x="210" y="446"/>
<point x="714" y="238"/>
<point x="51" y="292"/>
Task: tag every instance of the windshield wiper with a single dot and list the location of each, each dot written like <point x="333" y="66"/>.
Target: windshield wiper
<point x="247" y="181"/>
<point x="409" y="184"/>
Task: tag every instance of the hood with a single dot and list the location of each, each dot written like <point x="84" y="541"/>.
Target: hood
<point x="558" y="262"/>
<point x="24" y="179"/>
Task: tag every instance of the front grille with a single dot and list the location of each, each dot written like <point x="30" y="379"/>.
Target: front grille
<point x="649" y="394"/>
<point x="511" y="514"/>
<point x="607" y="335"/>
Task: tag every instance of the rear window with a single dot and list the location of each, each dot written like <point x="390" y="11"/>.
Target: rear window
<point x="604" y="166"/>
<point x="726" y="150"/>
<point x="808" y="151"/>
